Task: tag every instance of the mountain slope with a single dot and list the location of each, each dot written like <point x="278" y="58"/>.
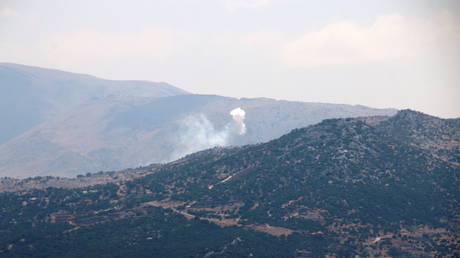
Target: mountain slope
<point x="440" y="137"/>
<point x="113" y="134"/>
<point x="65" y="124"/>
<point x="33" y="94"/>
<point x="343" y="187"/>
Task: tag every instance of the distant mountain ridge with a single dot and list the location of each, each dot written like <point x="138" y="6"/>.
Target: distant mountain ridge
<point x="367" y="186"/>
<point x="33" y="94"/>
<point x="68" y="124"/>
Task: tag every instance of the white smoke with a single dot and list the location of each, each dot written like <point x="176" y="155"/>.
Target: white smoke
<point x="239" y="115"/>
<point x="198" y="133"/>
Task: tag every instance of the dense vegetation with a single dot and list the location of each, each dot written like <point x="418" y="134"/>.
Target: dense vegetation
<point x="370" y="187"/>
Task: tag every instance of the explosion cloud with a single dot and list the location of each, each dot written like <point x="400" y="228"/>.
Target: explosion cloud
<point x="239" y="115"/>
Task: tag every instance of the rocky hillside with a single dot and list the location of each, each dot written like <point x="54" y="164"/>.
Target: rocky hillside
<point x="375" y="186"/>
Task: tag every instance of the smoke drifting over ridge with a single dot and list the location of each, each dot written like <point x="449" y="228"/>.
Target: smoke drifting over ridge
<point x="198" y="133"/>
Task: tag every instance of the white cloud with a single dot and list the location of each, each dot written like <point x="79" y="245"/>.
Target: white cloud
<point x="7" y="12"/>
<point x="235" y="5"/>
<point x="389" y="37"/>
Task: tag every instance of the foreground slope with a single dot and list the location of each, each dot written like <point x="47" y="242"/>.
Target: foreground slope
<point x="378" y="186"/>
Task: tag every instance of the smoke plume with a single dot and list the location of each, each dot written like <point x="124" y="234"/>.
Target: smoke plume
<point x="198" y="133"/>
<point x="239" y="115"/>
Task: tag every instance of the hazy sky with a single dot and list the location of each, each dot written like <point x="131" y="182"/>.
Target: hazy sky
<point x="380" y="53"/>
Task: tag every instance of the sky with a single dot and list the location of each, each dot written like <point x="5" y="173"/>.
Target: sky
<point x="378" y="53"/>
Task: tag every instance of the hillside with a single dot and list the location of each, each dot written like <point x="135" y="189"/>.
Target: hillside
<point x="31" y="95"/>
<point x="375" y="186"/>
<point x="82" y="124"/>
